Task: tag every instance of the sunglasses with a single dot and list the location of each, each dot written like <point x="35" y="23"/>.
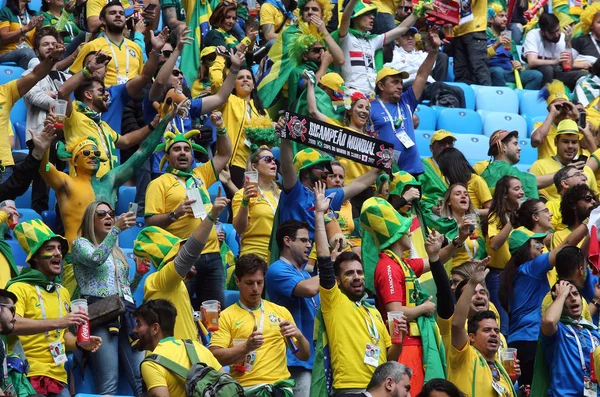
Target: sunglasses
<point x="588" y="199"/>
<point x="268" y="159"/>
<point x="538" y="246"/>
<point x="88" y="153"/>
<point x="176" y="73"/>
<point x="166" y="53"/>
<point x="12" y="308"/>
<point x="103" y="213"/>
<point x="317" y="50"/>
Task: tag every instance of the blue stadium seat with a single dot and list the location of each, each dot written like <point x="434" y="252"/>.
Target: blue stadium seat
<point x="427" y="117"/>
<point x="19" y="130"/>
<point x="529" y="154"/>
<point x="138" y="294"/>
<point x="483" y="114"/>
<point x="450" y="75"/>
<point x="85" y="385"/>
<point x="231" y="238"/>
<point x="27" y="214"/>
<point x="473" y="146"/>
<point x="24" y="201"/>
<point x="497" y="99"/>
<point x="126" y="196"/>
<point x="18" y="112"/>
<point x="504" y="121"/>
<point x="49" y="218"/>
<point x="531" y="106"/>
<point x="531" y="122"/>
<point x="17" y="252"/>
<point x="275" y="151"/>
<point x="469" y="94"/>
<point x="422" y="140"/>
<point x="127" y="237"/>
<point x="476" y="89"/>
<point x="231" y="297"/>
<point x="213" y="190"/>
<point x="52" y="199"/>
<point x="460" y="121"/>
<point x="10" y="73"/>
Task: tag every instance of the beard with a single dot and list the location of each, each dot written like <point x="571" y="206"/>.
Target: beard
<point x="112" y="28"/>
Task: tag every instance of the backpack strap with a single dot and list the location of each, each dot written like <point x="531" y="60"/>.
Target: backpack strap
<point x="168" y="364"/>
<point x="191" y="351"/>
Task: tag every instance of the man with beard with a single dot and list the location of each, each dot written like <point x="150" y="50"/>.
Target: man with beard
<point x="155" y="328"/>
<point x="43" y="309"/>
<point x="126" y="61"/>
<point x="390" y="379"/>
<point x="8" y="300"/>
<point x="567" y="342"/>
<point x="547" y="49"/>
<point x="472" y="357"/>
<point x="264" y="329"/>
<point x="576" y="206"/>
<point x="567" y="141"/>
<point x="292" y="287"/>
<point x="398" y="289"/>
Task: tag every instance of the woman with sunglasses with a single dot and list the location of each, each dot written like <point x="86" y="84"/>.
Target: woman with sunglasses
<point x="201" y="86"/>
<point x="101" y="270"/>
<point x="496" y="229"/>
<point x="524" y="284"/>
<point x="254" y="206"/>
<point x="222" y="20"/>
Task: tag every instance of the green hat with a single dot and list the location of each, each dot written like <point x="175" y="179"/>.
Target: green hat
<point x="363" y="7"/>
<point x="31" y="235"/>
<point x="173" y="137"/>
<point x="520" y="236"/>
<point x="400" y="181"/>
<point x="383" y="222"/>
<point x="156" y="245"/>
<point x="309" y="158"/>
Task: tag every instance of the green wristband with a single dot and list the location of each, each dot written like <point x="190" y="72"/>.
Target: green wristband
<point x="210" y="218"/>
<point x="222" y="131"/>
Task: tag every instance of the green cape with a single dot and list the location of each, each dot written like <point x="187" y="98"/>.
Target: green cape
<point x="497" y="169"/>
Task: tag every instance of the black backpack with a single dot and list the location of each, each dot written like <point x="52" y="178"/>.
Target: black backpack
<point x="201" y="380"/>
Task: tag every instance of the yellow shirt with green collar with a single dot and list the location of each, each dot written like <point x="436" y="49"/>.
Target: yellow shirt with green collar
<point x="269" y="14"/>
<point x="9" y="94"/>
<point x="9" y="20"/>
<point x="36" y="347"/>
<point x="168" y="284"/>
<point x="119" y="52"/>
<point x="469" y="371"/>
<point x="155" y="375"/>
<point x="166" y="192"/>
<point x="347" y="334"/>
<point x="552" y="165"/>
<point x="270" y="363"/>
<point x="78" y="126"/>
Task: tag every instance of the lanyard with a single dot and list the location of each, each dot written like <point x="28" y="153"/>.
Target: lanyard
<point x="579" y="349"/>
<point x="259" y="327"/>
<point x="500" y="369"/>
<point x="274" y="209"/>
<point x="281" y="258"/>
<point x="43" y="308"/>
<point x="114" y="54"/>
<point x="475" y="246"/>
<point x="371" y="325"/>
<point x="399" y="113"/>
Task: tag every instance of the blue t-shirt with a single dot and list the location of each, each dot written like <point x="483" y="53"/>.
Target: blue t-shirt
<point x="563" y="360"/>
<point x="588" y="291"/>
<point x="295" y="204"/>
<point x="185" y="123"/>
<point x="409" y="159"/>
<point x="118" y="98"/>
<point x="280" y="280"/>
<point x="502" y="58"/>
<point x="530" y="286"/>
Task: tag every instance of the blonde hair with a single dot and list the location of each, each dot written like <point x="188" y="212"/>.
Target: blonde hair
<point x="87" y="230"/>
<point x="255" y="158"/>
<point x="446" y="211"/>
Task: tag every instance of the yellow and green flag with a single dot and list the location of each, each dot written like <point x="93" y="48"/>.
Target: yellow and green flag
<point x="197" y="14"/>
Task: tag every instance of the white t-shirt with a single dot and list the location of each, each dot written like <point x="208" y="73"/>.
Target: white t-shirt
<point x="409" y="62"/>
<point x="358" y="70"/>
<point x="544" y="49"/>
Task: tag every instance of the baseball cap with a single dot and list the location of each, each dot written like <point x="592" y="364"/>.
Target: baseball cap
<point x="440" y="135"/>
<point x="388" y="71"/>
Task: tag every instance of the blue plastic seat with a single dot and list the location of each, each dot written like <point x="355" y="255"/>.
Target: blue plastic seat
<point x="24" y="201"/>
<point x="476" y="89"/>
<point x="531" y="122"/>
<point x="497" y="99"/>
<point x="450" y="75"/>
<point x="17" y="252"/>
<point x="10" y="73"/>
<point x="126" y="196"/>
<point x="504" y="121"/>
<point x="49" y="218"/>
<point x="27" y="214"/>
<point x="531" y="106"/>
<point x="427" y="117"/>
<point x="20" y="134"/>
<point x="231" y="297"/>
<point x="231" y="238"/>
<point x="529" y="154"/>
<point x="460" y="121"/>
<point x="18" y="112"/>
<point x="422" y="140"/>
<point x="213" y="190"/>
<point x="275" y="151"/>
<point x="474" y="147"/>
<point x="127" y="237"/>
<point x="469" y="94"/>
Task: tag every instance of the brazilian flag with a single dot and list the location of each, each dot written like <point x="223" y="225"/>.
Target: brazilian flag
<point x="197" y="14"/>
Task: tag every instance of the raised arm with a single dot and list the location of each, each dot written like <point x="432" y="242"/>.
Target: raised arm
<point x="334" y="49"/>
<point x="162" y="78"/>
<point x="425" y="69"/>
<point x="360" y="184"/>
<point x="223" y="153"/>
<point x="572" y="239"/>
<point x="215" y="101"/>
<point x="288" y="172"/>
<point x="552" y="315"/>
<point x="311" y="100"/>
<point x="27" y="82"/>
<point x="539" y="135"/>
<point x="346" y="15"/>
<point x="135" y="86"/>
<point x="401" y="29"/>
<point x="459" y="332"/>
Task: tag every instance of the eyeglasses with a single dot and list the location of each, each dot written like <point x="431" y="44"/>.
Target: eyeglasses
<point x="268" y="159"/>
<point x="176" y="73"/>
<point x="316" y="50"/>
<point x="103" y="213"/>
<point x="12" y="308"/>
<point x="304" y="240"/>
<point x="166" y="53"/>
<point x="88" y="153"/>
<point x="538" y="246"/>
<point x="577" y="174"/>
<point x="588" y="199"/>
<point x="546" y="210"/>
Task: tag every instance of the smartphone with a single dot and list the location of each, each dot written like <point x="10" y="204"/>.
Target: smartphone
<point x="582" y="158"/>
<point x="582" y="122"/>
<point x="150" y="8"/>
<point x="133" y="207"/>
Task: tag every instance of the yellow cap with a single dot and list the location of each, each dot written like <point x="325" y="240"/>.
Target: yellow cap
<point x="440" y="135"/>
<point x="332" y="81"/>
<point x="387" y="71"/>
<point x="207" y="51"/>
<point x="568" y="126"/>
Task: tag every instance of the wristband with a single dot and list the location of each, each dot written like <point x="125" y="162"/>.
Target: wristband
<point x="246" y="41"/>
<point x="595" y="303"/>
<point x="586" y="221"/>
<point x="157" y="53"/>
<point x="234" y="71"/>
<point x="245" y="202"/>
<point x="151" y="127"/>
<point x="86" y="72"/>
<point x="222" y="131"/>
<point x="210" y="218"/>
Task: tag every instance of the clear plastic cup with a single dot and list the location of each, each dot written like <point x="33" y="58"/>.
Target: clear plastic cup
<point x="251" y="178"/>
<point x="448" y="30"/>
<point x="396" y="333"/>
<point x="83" y="330"/>
<point x="239" y="366"/>
<point x="60" y="110"/>
<point x="507" y="33"/>
<point x="508" y="361"/>
<point x="474" y="220"/>
<point x="218" y="227"/>
<point x="211" y="308"/>
<point x="13" y="220"/>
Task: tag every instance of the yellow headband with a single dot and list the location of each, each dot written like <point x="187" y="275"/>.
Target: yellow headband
<point x="81" y="145"/>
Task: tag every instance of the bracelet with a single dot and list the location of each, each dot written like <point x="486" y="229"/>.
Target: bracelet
<point x="234" y="71"/>
<point x="210" y="218"/>
<point x="319" y="229"/>
<point x="595" y="303"/>
<point x="151" y="127"/>
<point x="245" y="202"/>
<point x="247" y="41"/>
<point x="157" y="53"/>
<point x="586" y="221"/>
<point x="86" y="72"/>
<point x="222" y="131"/>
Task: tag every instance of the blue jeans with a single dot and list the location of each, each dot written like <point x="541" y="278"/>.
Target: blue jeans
<point x="517" y="34"/>
<point x="8" y="171"/>
<point x="531" y="79"/>
<point x="114" y="357"/>
<point x="492" y="281"/>
<point x="20" y="56"/>
<point x="209" y="282"/>
<point x="63" y="393"/>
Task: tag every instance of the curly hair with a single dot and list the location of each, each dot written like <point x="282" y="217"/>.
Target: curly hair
<point x="568" y="205"/>
<point x="326" y="8"/>
<point x="587" y="17"/>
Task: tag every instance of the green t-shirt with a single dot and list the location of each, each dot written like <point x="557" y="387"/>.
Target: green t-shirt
<point x="70" y="29"/>
<point x="179" y="10"/>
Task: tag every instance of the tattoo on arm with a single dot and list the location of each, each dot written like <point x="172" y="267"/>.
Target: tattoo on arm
<point x="267" y="28"/>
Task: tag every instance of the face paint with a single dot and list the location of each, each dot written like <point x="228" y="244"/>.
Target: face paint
<point x="47" y="256"/>
<point x="346" y="279"/>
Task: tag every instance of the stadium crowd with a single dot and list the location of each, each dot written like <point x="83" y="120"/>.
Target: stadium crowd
<point x="165" y="231"/>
